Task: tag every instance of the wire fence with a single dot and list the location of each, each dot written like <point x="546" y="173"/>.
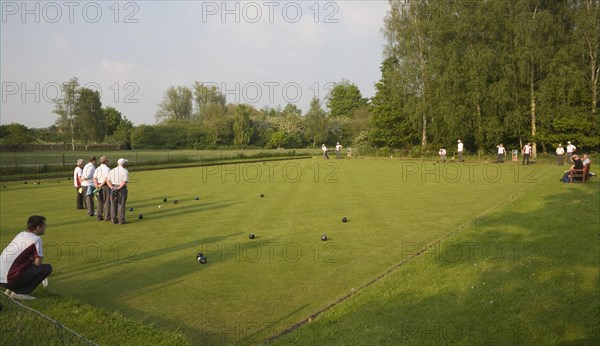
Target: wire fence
<point x="22" y="325"/>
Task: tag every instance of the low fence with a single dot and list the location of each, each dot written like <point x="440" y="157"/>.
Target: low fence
<point x="58" y="147"/>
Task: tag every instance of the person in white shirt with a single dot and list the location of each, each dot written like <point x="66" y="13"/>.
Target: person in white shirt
<point x="325" y="155"/>
<point x="501" y="153"/>
<point x="560" y="152"/>
<point x="526" y="152"/>
<point x="77" y="183"/>
<point x="87" y="184"/>
<point x="570" y="151"/>
<point x="338" y="148"/>
<point x="102" y="190"/>
<point x="442" y="153"/>
<point x="460" y="151"/>
<point x="21" y="267"/>
<point x="117" y="181"/>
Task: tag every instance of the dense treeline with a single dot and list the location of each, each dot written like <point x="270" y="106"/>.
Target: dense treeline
<point x="487" y="72"/>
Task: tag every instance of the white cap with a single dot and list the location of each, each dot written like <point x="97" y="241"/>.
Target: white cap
<point x="568" y="142"/>
<point x="122" y="161"/>
<point x="459" y="141"/>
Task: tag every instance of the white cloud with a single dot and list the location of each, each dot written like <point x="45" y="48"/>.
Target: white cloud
<point x="60" y="40"/>
<point x="118" y="71"/>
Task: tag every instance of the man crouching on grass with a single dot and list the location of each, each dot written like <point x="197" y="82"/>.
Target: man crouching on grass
<point x="21" y="268"/>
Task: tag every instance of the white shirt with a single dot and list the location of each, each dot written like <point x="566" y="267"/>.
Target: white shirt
<point x="560" y="151"/>
<point x="460" y="147"/>
<point x="101" y="173"/>
<point x="16" y="256"/>
<point x="501" y="150"/>
<point x="88" y="174"/>
<point x="338" y="147"/>
<point x="571" y="148"/>
<point x="76" y="174"/>
<point x="527" y="149"/>
<point x="118" y="176"/>
<point x="442" y="152"/>
<point x="324" y="148"/>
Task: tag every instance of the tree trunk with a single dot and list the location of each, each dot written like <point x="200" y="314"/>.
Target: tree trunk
<point x="72" y="135"/>
<point x="533" y="104"/>
<point x="593" y="45"/>
<point x="594" y="75"/>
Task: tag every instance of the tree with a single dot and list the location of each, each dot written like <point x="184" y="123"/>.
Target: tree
<point x="343" y="99"/>
<point x="315" y="122"/>
<point x="65" y="108"/>
<point x="90" y="121"/>
<point x="407" y="29"/>
<point x="123" y="133"/>
<point x="176" y="105"/>
<point x="291" y="109"/>
<point x="113" y="119"/>
<point x="390" y="127"/>
<point x="587" y="38"/>
<point x="15" y="134"/>
<point x="241" y="126"/>
<point x="207" y="99"/>
<point x="278" y="139"/>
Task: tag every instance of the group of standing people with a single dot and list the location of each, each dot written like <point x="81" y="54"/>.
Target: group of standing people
<point x="560" y="153"/>
<point x="526" y="151"/>
<point x="338" y="151"/>
<point x="109" y="186"/>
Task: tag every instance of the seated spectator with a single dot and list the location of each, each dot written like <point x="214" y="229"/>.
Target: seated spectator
<point x="586" y="161"/>
<point x="577" y="164"/>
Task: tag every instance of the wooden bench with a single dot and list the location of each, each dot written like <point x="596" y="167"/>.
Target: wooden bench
<point x="580" y="175"/>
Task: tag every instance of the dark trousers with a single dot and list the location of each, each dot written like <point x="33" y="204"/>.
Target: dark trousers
<point x="30" y="279"/>
<point x="103" y="209"/>
<point x="118" y="200"/>
<point x="526" y="158"/>
<point x="80" y="204"/>
<point x="500" y="158"/>
<point x="89" y="199"/>
<point x="460" y="157"/>
<point x="559" y="159"/>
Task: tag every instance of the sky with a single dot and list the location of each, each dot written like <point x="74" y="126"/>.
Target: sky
<point x="263" y="53"/>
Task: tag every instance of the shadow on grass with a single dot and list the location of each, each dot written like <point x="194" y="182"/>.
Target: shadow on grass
<point x="526" y="274"/>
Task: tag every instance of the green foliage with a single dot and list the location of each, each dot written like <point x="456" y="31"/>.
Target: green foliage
<point x="15" y="134"/>
<point x="65" y="108"/>
<point x="241" y="126"/>
<point x="390" y="127"/>
<point x="316" y="123"/>
<point x="278" y="139"/>
<point x="208" y="100"/>
<point x="91" y="124"/>
<point x="176" y="105"/>
<point x="291" y="109"/>
<point x="492" y="71"/>
<point x="343" y="99"/>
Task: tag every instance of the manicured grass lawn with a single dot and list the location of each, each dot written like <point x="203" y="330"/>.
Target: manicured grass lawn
<point x="251" y="290"/>
<point x="526" y="273"/>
